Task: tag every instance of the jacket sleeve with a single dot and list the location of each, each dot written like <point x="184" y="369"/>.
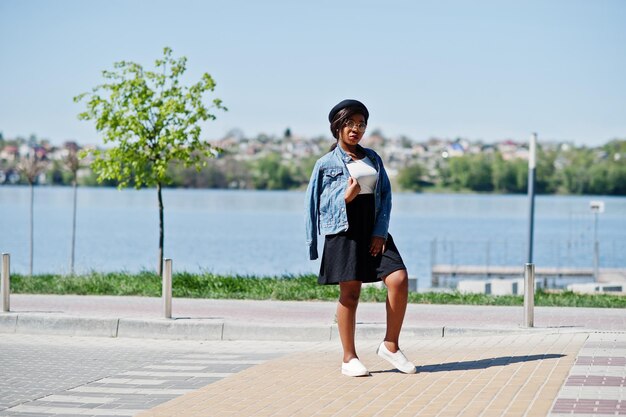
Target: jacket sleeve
<point x="381" y="227"/>
<point x="312" y="213"/>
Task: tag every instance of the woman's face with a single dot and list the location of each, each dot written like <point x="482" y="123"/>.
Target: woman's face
<point x="353" y="130"/>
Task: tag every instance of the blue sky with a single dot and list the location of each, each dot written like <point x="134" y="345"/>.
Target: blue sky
<point x="478" y="69"/>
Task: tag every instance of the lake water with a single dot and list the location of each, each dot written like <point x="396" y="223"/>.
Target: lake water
<point x="262" y="232"/>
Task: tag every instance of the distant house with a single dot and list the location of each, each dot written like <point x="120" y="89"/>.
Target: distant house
<point x="507" y="149"/>
<point x="71" y="146"/>
<point x="41" y="152"/>
<point x="9" y="153"/>
<point x="454" y="149"/>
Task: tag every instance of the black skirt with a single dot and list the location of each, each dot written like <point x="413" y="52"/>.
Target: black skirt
<point x="346" y="255"/>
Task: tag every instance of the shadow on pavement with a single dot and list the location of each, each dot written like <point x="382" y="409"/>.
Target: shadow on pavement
<point x="485" y="363"/>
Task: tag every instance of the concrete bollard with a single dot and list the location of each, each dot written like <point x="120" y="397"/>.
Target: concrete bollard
<point x="167" y="288"/>
<point x="5" y="287"/>
<point x="529" y="295"/>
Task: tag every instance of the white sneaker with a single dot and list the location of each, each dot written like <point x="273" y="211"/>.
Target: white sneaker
<point x="354" y="368"/>
<point x="397" y="359"/>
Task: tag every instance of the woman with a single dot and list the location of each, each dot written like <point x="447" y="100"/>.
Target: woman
<point x="349" y="201"/>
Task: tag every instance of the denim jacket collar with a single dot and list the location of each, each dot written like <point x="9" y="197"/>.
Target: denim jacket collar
<point x="341" y="154"/>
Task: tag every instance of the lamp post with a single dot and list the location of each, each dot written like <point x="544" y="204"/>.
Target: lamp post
<point x="596" y="207"/>
<point x="529" y="268"/>
<point x="531" y="195"/>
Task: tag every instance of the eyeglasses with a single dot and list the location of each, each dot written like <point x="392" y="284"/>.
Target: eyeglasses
<point x="350" y="124"/>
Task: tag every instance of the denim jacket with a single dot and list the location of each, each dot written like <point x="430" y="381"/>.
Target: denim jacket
<point x="325" y="197"/>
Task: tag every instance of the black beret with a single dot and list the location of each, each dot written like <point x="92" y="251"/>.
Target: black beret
<point x="357" y="105"/>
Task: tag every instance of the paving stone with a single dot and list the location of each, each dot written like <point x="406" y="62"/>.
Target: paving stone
<point x="596" y="383"/>
<point x="466" y="376"/>
<point x="78" y="372"/>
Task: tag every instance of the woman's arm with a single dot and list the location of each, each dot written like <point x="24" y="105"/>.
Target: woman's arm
<point x="312" y="212"/>
<point x="382" y="220"/>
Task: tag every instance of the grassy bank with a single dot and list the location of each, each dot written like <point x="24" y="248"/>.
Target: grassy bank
<point x="270" y="288"/>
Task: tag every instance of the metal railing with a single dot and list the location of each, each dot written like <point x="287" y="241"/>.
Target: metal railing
<point x="555" y="253"/>
<point x="567" y="256"/>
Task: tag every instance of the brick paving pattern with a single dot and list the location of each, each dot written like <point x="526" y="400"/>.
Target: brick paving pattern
<point x="595" y="386"/>
<point x="67" y="376"/>
<point x="479" y="362"/>
<point x="595" y="381"/>
<point x="466" y="376"/>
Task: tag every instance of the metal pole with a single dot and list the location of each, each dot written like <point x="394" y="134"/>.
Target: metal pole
<point x="596" y="248"/>
<point x="32" y="228"/>
<point x="167" y="289"/>
<point x="5" y="287"/>
<point x="75" y="186"/>
<point x="529" y="295"/>
<point x="433" y="261"/>
<point x="596" y="207"/>
<point x="531" y="195"/>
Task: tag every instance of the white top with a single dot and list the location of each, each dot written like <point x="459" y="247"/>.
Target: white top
<point x="364" y="172"/>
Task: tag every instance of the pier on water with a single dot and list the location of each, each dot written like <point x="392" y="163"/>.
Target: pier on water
<point x="448" y="276"/>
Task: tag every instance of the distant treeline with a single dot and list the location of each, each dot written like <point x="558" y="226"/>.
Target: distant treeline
<point x="562" y="170"/>
<point x="269" y="172"/>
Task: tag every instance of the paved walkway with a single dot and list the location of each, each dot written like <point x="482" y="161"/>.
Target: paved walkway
<point x="596" y="384"/>
<point x="276" y="320"/>
<point x="572" y="363"/>
<point x="51" y="376"/>
<point x="456" y="377"/>
<point x="481" y="376"/>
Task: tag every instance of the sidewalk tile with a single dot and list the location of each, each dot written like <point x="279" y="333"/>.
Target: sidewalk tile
<point x="495" y="374"/>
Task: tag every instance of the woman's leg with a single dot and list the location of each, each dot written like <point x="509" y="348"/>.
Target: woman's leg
<point x="346" y="316"/>
<point x="397" y="296"/>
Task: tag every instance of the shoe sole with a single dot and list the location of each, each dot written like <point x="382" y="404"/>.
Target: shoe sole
<point x="354" y="375"/>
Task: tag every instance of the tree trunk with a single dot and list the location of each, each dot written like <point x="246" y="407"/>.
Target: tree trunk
<point x="161" y="230"/>
<point x="75" y="186"/>
<point x="32" y="227"/>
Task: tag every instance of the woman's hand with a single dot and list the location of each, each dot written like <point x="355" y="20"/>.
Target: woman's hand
<point x="353" y="189"/>
<point x="377" y="245"/>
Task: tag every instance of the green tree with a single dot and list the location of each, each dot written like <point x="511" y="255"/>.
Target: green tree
<point x="504" y="175"/>
<point x="575" y="173"/>
<point x="237" y="174"/>
<point x="599" y="182"/>
<point x="471" y="172"/>
<point x="616" y="166"/>
<point x="188" y="177"/>
<point x="457" y="172"/>
<point x="480" y="173"/>
<point x="410" y="177"/>
<point x="617" y="177"/>
<point x="547" y="180"/>
<point x="270" y="173"/>
<point x="151" y="119"/>
<point x="616" y="150"/>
